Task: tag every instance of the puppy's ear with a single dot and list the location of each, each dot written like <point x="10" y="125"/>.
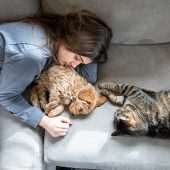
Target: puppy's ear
<point x="101" y="100"/>
<point x="87" y="95"/>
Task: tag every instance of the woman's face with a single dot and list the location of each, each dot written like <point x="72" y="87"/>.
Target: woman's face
<point x="68" y="58"/>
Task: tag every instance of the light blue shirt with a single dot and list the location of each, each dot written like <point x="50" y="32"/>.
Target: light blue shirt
<point x="23" y="55"/>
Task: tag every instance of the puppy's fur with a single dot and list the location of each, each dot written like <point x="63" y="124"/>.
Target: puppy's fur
<point x="64" y="87"/>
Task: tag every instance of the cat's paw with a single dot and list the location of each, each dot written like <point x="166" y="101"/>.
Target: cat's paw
<point x="107" y="85"/>
<point x="104" y="92"/>
<point x="102" y="85"/>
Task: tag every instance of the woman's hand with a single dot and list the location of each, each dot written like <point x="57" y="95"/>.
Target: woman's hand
<point x="56" y="126"/>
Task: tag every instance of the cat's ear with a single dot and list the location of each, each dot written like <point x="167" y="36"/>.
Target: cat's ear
<point x="126" y="119"/>
<point x="123" y="117"/>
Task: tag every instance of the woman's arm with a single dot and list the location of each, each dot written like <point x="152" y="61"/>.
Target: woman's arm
<point x="19" y="70"/>
<point x="88" y="71"/>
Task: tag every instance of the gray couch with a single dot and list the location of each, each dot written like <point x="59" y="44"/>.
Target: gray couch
<point x="138" y="55"/>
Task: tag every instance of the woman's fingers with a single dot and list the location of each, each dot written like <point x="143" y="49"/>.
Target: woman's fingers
<point x="65" y="120"/>
<point x="62" y="134"/>
<point x="58" y="126"/>
<point x="61" y="130"/>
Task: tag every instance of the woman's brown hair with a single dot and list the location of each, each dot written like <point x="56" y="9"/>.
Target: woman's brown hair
<point x="81" y="32"/>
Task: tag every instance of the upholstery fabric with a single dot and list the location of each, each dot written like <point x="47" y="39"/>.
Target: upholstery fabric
<point x="133" y="22"/>
<point x="16" y="9"/>
<point x="21" y="147"/>
<point x="89" y="144"/>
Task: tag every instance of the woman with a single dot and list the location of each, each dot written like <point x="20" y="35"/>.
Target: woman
<point x="79" y="40"/>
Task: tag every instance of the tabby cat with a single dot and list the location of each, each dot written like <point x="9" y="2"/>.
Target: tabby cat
<point x="141" y="111"/>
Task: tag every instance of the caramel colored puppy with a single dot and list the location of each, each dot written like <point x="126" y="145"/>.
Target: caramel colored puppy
<point x="65" y="87"/>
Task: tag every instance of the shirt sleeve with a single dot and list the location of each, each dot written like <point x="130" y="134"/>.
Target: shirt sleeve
<point x="88" y="71"/>
<point x="18" y="71"/>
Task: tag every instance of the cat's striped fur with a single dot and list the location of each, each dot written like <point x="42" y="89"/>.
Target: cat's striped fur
<point x="141" y="111"/>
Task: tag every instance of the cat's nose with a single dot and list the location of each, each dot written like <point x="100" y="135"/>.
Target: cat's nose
<point x="115" y="132"/>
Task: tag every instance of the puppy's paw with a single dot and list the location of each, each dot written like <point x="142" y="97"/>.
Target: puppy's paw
<point x="50" y="106"/>
<point x="58" y="110"/>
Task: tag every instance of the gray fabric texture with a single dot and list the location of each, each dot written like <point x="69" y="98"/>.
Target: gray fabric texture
<point x="16" y="9"/>
<point x="88" y="144"/>
<point x="133" y="22"/>
<point x="21" y="147"/>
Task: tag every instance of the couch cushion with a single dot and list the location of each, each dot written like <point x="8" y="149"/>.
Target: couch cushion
<point x="89" y="144"/>
<point x="21" y="147"/>
<point x="15" y="9"/>
<point x="133" y="22"/>
<point x="147" y="66"/>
